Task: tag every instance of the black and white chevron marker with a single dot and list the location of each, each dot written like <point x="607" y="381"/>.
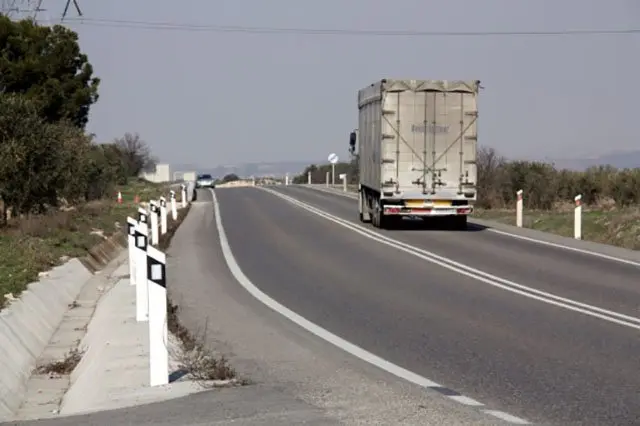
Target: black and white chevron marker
<point x="141" y="244"/>
<point x="143" y="217"/>
<point x="156" y="271"/>
<point x="158" y="333"/>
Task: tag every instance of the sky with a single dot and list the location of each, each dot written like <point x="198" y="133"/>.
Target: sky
<point x="212" y="98"/>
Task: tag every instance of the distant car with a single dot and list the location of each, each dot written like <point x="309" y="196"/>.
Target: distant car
<point x="205" y="181"/>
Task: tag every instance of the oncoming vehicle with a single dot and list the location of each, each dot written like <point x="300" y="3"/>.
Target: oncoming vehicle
<point x="205" y="181"/>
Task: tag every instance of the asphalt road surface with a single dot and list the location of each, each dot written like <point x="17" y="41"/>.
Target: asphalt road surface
<point x="541" y="361"/>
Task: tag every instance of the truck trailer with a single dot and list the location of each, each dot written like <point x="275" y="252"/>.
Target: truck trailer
<point x="416" y="148"/>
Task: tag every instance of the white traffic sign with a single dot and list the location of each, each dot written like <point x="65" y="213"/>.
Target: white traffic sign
<point x="333" y="158"/>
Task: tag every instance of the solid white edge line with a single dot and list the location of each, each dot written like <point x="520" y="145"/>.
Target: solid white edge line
<point x="315" y="329"/>
<point x="468" y="271"/>
<point x="466" y="400"/>
<point x="506" y="417"/>
<point x="563" y="247"/>
<point x="509" y="234"/>
<point x="303" y="322"/>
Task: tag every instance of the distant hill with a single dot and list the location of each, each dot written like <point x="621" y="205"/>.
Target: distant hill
<point x="248" y="169"/>
<point x="619" y="159"/>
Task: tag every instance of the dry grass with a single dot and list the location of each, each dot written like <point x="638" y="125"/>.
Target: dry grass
<point x="202" y="364"/>
<point x="34" y="244"/>
<point x="62" y="367"/>
<point x="618" y="227"/>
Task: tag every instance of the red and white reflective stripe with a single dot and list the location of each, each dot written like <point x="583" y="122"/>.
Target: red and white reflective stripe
<point x="519" y="194"/>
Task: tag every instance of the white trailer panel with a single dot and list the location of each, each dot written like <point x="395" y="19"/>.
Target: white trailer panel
<point x="418" y="139"/>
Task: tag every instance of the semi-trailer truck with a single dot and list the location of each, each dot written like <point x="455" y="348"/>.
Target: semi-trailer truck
<point x="416" y="149"/>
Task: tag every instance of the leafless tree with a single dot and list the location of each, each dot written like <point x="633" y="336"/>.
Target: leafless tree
<point x="137" y="154"/>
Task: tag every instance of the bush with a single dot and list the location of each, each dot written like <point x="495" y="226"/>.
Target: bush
<point x="544" y="186"/>
<point x="46" y="165"/>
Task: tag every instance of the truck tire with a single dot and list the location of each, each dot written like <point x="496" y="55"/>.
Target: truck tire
<point x="459" y="223"/>
<point x="363" y="207"/>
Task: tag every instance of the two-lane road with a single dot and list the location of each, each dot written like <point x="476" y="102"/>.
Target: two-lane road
<point x="514" y="353"/>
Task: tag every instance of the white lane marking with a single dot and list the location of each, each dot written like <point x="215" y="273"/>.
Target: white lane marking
<point x="509" y="234"/>
<point x="466" y="400"/>
<point x="506" y="417"/>
<point x="326" y="335"/>
<point x="493" y="280"/>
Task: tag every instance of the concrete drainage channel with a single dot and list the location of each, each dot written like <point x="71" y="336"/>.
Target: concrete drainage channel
<point x="76" y="328"/>
<point x="49" y="315"/>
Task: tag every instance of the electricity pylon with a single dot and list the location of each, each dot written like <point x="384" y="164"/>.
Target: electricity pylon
<point x="24" y="9"/>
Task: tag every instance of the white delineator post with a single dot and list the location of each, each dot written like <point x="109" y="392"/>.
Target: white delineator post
<point x="142" y="287"/>
<point x="286" y="179"/>
<point x="132" y="225"/>
<point x="174" y="207"/>
<point x="327" y="179"/>
<point x="163" y="215"/>
<point x="343" y="176"/>
<point x="158" y="334"/>
<point x="155" y="212"/>
<point x="577" y="218"/>
<point x="308" y="178"/>
<point x="183" y="195"/>
<point x="519" y="209"/>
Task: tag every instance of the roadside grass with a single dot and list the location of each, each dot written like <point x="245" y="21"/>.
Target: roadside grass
<point x="35" y="244"/>
<point x="618" y="227"/>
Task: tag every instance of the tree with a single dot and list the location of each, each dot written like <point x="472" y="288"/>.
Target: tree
<point x="137" y="154"/>
<point x="231" y="177"/>
<point x="33" y="157"/>
<point x="46" y="64"/>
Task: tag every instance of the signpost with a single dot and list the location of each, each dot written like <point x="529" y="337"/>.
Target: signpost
<point x="333" y="159"/>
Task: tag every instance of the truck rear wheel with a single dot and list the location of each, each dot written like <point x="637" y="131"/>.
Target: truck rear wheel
<point x="459" y="223"/>
<point x="363" y="207"/>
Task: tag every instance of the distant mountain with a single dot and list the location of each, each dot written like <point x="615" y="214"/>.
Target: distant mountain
<point x="619" y="159"/>
<point x="248" y="169"/>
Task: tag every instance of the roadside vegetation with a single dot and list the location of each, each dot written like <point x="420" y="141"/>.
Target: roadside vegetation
<point x="611" y="196"/>
<point x="58" y="186"/>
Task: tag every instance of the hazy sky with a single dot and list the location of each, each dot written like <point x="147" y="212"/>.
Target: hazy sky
<point x="223" y="98"/>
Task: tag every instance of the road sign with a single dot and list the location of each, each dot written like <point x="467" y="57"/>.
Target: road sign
<point x="333" y="158"/>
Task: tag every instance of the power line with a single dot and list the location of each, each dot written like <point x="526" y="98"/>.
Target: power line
<point x="29" y="9"/>
<point x="169" y="26"/>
